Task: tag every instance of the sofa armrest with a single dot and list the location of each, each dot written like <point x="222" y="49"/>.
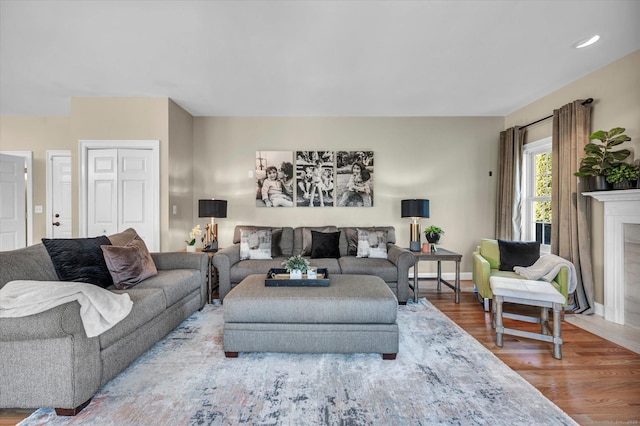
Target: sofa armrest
<point x="403" y="259"/>
<point x="223" y="261"/>
<point x="480" y="274"/>
<point x="48" y="360"/>
<point x="180" y="260"/>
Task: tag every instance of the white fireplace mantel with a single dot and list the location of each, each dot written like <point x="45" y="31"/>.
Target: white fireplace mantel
<point x="620" y="208"/>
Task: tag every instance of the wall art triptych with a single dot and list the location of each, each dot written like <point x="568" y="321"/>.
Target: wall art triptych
<point x="314" y="178"/>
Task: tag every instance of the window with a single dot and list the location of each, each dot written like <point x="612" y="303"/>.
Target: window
<point x="536" y="190"/>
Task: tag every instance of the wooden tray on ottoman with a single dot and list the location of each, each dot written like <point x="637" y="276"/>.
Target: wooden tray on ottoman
<point x="277" y="277"/>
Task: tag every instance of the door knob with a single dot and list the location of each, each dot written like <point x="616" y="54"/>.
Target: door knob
<point x="57" y="215"/>
<point x="56" y="223"/>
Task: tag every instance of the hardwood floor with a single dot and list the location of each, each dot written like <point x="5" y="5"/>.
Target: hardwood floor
<point x="597" y="382"/>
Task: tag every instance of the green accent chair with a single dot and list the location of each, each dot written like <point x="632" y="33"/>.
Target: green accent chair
<point x="486" y="263"/>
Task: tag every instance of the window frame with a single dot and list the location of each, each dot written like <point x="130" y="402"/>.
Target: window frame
<point x="529" y="152"/>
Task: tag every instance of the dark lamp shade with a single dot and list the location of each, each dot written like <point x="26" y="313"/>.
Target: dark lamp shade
<point x="212" y="208"/>
<point x="415" y="208"/>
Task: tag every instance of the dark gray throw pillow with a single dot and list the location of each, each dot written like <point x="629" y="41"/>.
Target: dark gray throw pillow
<point x="79" y="259"/>
<point x="325" y="245"/>
<point x="518" y="253"/>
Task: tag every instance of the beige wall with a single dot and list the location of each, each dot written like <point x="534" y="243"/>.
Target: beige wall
<point x="112" y="119"/>
<point x="616" y="93"/>
<point x="446" y="160"/>
<point x="36" y="134"/>
<point x="180" y="170"/>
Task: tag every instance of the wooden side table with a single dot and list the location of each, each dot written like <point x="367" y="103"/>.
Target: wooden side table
<point x="212" y="274"/>
<point x="438" y="256"/>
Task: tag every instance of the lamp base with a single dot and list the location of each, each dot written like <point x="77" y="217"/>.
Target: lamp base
<point x="414" y="246"/>
<point x="212" y="247"/>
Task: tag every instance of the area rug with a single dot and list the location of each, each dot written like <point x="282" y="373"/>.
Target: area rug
<point x="442" y="375"/>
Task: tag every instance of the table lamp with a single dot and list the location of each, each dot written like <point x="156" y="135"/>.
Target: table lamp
<point x="212" y="208"/>
<point x="415" y="209"/>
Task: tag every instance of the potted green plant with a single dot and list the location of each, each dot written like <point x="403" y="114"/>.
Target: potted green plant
<point x="623" y="175"/>
<point x="601" y="157"/>
<point x="296" y="266"/>
<point x="432" y="233"/>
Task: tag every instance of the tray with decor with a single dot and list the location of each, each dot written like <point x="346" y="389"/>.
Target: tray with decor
<point x="277" y="277"/>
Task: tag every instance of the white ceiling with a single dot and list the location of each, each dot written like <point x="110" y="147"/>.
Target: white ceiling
<point x="302" y="58"/>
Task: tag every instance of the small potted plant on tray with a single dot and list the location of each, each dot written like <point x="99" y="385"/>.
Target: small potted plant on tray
<point x="296" y="266"/>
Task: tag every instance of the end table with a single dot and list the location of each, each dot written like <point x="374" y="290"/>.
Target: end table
<point x="212" y="273"/>
<point x="439" y="256"/>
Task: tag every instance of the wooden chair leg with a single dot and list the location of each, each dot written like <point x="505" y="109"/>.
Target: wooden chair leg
<point x="72" y="411"/>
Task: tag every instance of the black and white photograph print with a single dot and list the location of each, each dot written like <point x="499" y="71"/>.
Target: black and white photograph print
<point x="274" y="179"/>
<point x="315" y="178"/>
<point x="354" y="178"/>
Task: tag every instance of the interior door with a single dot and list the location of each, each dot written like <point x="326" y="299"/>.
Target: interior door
<point x="120" y="193"/>
<point x="60" y="212"/>
<point x="13" y="224"/>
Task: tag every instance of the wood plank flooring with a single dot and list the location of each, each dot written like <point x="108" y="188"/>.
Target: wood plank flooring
<point x="597" y="382"/>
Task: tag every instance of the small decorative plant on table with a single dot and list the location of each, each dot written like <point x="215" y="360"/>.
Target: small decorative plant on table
<point x="433" y="233"/>
<point x="191" y="242"/>
<point x="296" y="266"/>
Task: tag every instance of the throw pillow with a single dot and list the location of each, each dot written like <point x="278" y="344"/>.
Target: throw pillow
<point x="79" y="259"/>
<point x="351" y="235"/>
<point x="307" y="240"/>
<point x="129" y="264"/>
<point x="517" y="253"/>
<point x="255" y="244"/>
<point x="372" y="244"/>
<point x="325" y="245"/>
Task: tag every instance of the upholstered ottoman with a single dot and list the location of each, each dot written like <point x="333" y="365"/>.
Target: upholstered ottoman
<point x="355" y="313"/>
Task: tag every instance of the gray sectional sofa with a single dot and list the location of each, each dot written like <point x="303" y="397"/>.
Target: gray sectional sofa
<point x="46" y="359"/>
<point x="290" y="241"/>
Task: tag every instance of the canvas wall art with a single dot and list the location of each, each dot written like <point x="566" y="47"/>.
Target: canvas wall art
<point x="274" y="178"/>
<point x="315" y="178"/>
<point x="354" y="178"/>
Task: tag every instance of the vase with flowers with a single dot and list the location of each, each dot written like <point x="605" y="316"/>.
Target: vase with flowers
<point x="191" y="242"/>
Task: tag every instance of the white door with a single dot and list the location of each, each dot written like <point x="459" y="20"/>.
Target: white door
<point x="120" y="192"/>
<point x="59" y="211"/>
<point x="13" y="224"/>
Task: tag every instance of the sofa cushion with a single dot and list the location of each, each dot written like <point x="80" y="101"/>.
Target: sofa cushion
<point x="349" y="242"/>
<point x="279" y="246"/>
<point x="382" y="268"/>
<point x="148" y="303"/>
<point x="518" y="253"/>
<point x="79" y="259"/>
<point x="372" y="244"/>
<point x="302" y="238"/>
<point x="325" y="245"/>
<point x="175" y="283"/>
<point x="32" y="263"/>
<point x="129" y="264"/>
<point x="255" y="244"/>
<point x="242" y="269"/>
<point x="331" y="265"/>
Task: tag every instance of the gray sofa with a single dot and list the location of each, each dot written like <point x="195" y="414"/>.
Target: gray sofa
<point x="46" y="359"/>
<point x="394" y="270"/>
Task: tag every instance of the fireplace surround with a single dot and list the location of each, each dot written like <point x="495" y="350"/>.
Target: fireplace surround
<point x="620" y="208"/>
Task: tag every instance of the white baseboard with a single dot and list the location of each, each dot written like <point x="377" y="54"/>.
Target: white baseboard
<point x="599" y="308"/>
<point x="449" y="276"/>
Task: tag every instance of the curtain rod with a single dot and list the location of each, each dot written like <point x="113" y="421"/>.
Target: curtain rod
<point x="586" y="102"/>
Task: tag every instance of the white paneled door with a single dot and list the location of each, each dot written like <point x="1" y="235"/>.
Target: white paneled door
<point x="13" y="226"/>
<point x="120" y="185"/>
<point x="59" y="205"/>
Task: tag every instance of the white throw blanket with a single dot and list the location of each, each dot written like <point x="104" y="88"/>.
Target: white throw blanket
<point x="546" y="268"/>
<point x="100" y="309"/>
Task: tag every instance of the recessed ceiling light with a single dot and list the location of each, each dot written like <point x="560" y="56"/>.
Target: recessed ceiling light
<point x="586" y="42"/>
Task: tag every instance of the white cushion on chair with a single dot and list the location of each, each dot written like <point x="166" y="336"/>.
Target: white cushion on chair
<point x="525" y="289"/>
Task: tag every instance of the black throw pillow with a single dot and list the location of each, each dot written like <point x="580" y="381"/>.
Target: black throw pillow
<point x="325" y="245"/>
<point x="80" y="259"/>
<point x="518" y="253"/>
